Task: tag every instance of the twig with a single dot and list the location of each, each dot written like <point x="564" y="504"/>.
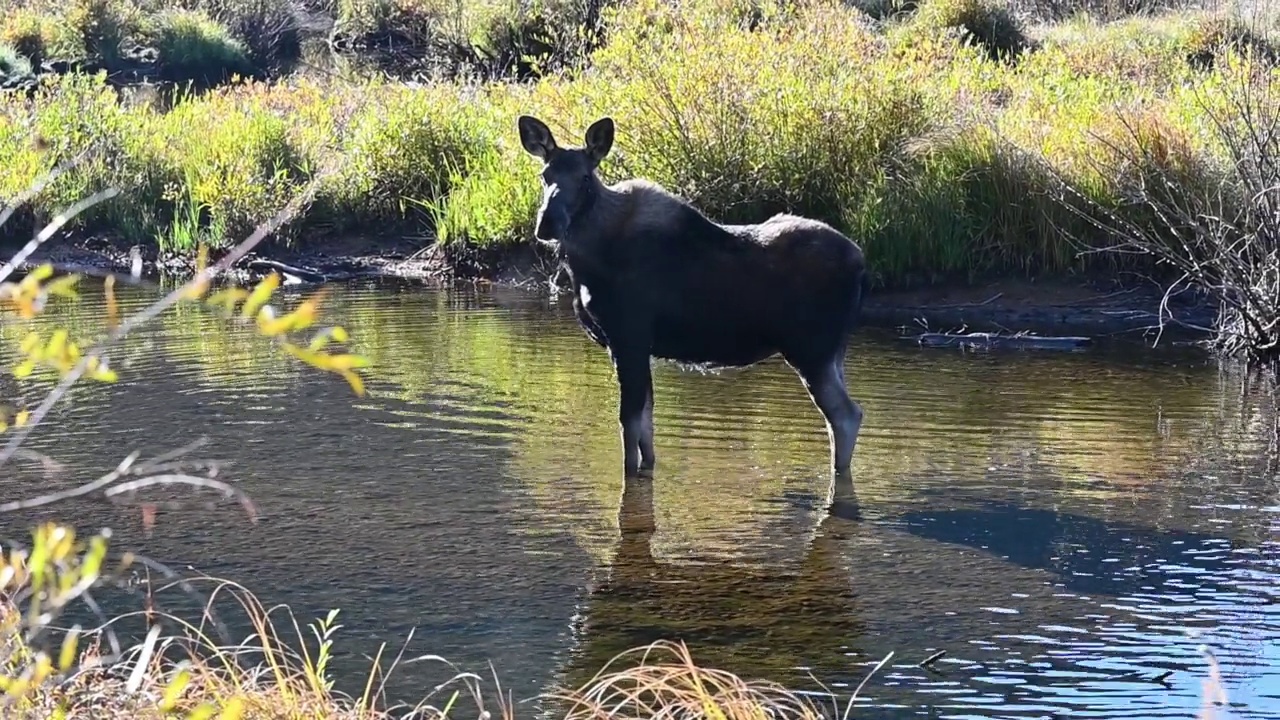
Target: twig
<point x="928" y="662"/>
<point x="54" y="225"/>
<point x="154" y="310"/>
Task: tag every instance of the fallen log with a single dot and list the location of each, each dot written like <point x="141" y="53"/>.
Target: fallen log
<point x="989" y="341"/>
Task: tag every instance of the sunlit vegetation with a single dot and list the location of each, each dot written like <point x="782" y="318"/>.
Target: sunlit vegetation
<point x="939" y="135"/>
<point x="48" y="671"/>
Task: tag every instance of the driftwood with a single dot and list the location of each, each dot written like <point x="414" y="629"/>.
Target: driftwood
<point x="293" y="275"/>
<point x="984" y="340"/>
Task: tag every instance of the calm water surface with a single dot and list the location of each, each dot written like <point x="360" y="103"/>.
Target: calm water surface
<point x="1065" y="527"/>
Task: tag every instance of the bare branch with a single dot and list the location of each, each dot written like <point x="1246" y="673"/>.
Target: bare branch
<point x="154" y="310"/>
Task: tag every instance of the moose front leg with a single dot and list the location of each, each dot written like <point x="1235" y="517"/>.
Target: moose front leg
<point x="647" y="459"/>
<point x="635" y="384"/>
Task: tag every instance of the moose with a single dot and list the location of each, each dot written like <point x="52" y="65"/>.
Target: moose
<point x="654" y="277"/>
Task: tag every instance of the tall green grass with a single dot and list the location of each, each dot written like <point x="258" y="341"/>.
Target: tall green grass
<point x="929" y="138"/>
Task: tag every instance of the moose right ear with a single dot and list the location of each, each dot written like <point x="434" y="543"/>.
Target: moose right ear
<point x="536" y="137"/>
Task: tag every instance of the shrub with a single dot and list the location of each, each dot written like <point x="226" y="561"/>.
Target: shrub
<point x="226" y="160"/>
<point x="103" y="27"/>
<point x="1210" y="219"/>
<point x="401" y="149"/>
<point x="12" y="63"/>
<point x="41" y="34"/>
<point x="490" y="38"/>
<point x="1212" y="35"/>
<point x="986" y="23"/>
<point x="72" y="114"/>
<point x="269" y="30"/>
<point x="884" y="10"/>
<point x="411" y="22"/>
<point x="192" y="46"/>
<point x="24" y="32"/>
<point x="1104" y="10"/>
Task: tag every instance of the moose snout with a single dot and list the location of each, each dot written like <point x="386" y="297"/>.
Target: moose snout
<point x="552" y="222"/>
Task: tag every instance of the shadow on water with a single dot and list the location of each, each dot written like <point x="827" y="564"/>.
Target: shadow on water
<point x="1083" y="552"/>
<point x="1064" y="527"/>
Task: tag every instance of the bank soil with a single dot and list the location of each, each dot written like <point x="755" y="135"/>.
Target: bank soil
<point x="1096" y="307"/>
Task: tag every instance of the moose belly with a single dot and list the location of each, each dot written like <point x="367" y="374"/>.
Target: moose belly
<point x="720" y="346"/>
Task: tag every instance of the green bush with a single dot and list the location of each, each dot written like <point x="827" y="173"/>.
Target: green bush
<point x="400" y="150"/>
<point x="191" y="46"/>
<point x="415" y="22"/>
<point x="103" y="27"/>
<point x="26" y="32"/>
<point x="923" y="147"/>
<point x="12" y="63"/>
<point x="269" y="30"/>
<point x="987" y="23"/>
<point x="1215" y="34"/>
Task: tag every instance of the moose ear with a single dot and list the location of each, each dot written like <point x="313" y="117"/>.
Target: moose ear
<point x="536" y="137"/>
<point x="600" y="139"/>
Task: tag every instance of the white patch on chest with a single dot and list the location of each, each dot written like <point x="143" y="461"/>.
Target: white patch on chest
<point x="584" y="295"/>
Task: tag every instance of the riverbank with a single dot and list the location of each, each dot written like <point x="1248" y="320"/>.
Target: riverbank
<point x="273" y="676"/>
<point x="944" y="137"/>
<point x="1092" y="305"/>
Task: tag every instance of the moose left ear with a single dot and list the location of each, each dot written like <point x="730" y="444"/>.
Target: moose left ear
<point x="600" y="139"/>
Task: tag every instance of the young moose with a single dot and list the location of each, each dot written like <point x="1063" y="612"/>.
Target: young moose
<point x="654" y="277"/>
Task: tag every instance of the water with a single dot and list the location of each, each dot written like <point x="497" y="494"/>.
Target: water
<point x="1065" y="527"/>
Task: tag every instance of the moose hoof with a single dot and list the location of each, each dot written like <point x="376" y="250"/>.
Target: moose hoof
<point x="644" y="471"/>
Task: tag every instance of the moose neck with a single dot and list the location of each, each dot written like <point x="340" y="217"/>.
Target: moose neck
<point x="601" y="215"/>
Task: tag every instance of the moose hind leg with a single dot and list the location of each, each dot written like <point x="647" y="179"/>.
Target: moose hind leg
<point x="647" y="459"/>
<point x="825" y="383"/>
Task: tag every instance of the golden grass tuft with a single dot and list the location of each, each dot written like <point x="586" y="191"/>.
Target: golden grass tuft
<point x="271" y="675"/>
<point x="678" y="687"/>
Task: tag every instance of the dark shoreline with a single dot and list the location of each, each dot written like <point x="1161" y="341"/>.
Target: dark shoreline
<point x="1090" y="306"/>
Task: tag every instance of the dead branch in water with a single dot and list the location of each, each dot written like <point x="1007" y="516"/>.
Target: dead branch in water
<point x="1218" y="230"/>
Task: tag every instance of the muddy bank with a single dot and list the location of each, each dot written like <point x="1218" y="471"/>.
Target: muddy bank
<point x="1096" y="307"/>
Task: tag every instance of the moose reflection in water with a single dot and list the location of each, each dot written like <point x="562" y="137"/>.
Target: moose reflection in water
<point x="652" y="276"/>
<point x="747" y="618"/>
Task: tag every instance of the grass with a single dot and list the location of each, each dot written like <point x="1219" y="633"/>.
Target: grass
<point x="935" y="135"/>
<point x="190" y="45"/>
<point x="282" y="672"/>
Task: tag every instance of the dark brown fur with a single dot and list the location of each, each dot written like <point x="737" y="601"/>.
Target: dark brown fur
<point x="654" y="277"/>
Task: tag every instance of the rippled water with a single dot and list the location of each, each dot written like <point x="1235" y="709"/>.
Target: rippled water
<point x="1065" y="527"/>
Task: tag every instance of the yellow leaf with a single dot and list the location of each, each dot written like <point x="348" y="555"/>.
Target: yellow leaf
<point x="227" y="298"/>
<point x="306" y="356"/>
<point x="261" y="293"/>
<point x="233" y="710"/>
<point x="113" y="310"/>
<point x="98" y="370"/>
<point x="24" y="368"/>
<point x="345" y="361"/>
<point x="30" y="342"/>
<point x="21" y="418"/>
<point x="33" y="278"/>
<point x="64" y="286"/>
<point x="198" y="285"/>
<point x="57" y="344"/>
<point x="174" y="688"/>
<point x="4" y="426"/>
<point x="322" y="338"/>
<point x="69" y="647"/>
<point x="353" y="380"/>
<point x="305" y="313"/>
<point x="203" y="712"/>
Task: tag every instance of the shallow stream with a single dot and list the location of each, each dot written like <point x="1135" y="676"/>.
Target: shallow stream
<point x="1067" y="527"/>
